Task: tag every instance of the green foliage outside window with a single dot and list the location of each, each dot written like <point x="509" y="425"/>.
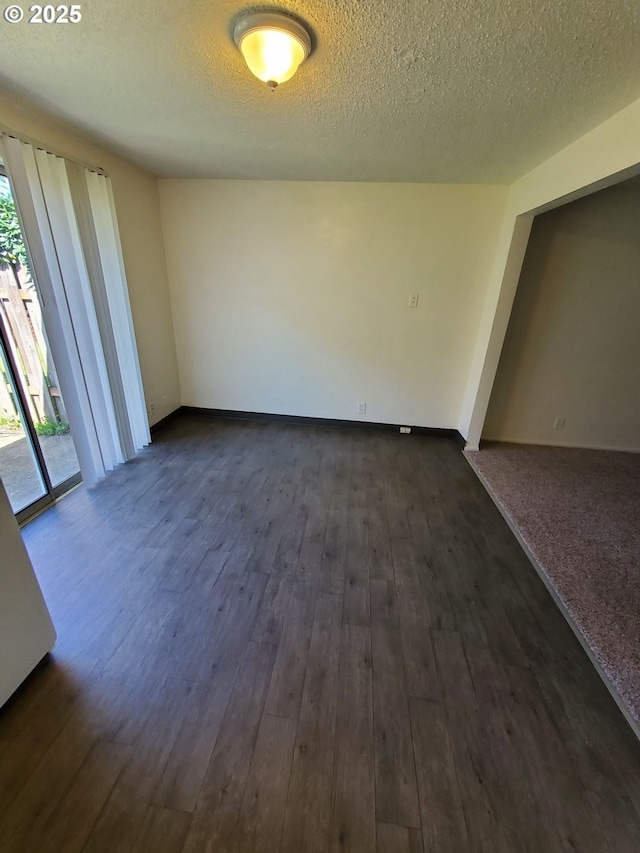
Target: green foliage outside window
<point x="13" y="252"/>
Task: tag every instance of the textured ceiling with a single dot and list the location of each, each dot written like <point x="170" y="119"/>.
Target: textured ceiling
<point x="395" y="90"/>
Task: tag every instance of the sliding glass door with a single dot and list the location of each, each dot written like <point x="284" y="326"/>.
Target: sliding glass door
<point x="20" y="468"/>
<point x="38" y="461"/>
<point x="74" y="278"/>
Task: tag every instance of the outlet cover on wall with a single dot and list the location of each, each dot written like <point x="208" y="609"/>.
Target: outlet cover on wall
<point x="362" y="408"/>
<point x="559" y="423"/>
<point x="413" y="300"/>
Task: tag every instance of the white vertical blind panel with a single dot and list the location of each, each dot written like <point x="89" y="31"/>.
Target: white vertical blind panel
<point x="86" y="230"/>
<point x="20" y="160"/>
<point x="71" y="229"/>
<point x="110" y="250"/>
<point x="62" y="219"/>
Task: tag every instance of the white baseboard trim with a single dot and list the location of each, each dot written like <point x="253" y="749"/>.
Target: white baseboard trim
<point x="568" y="445"/>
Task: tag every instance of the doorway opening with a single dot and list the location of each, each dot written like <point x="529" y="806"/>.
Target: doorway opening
<point x="38" y="461"/>
<point x="560" y="445"/>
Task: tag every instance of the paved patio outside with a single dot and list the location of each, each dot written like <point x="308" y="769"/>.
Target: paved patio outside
<point x="18" y="472"/>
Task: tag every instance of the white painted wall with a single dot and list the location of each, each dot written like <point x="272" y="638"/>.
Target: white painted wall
<point x="367" y="245"/>
<point x="572" y="349"/>
<point x="292" y="298"/>
<point x="136" y="200"/>
<point x="26" y="630"/>
<point x="598" y="159"/>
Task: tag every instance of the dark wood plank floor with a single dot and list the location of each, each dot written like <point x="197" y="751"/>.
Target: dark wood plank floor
<point x="301" y="639"/>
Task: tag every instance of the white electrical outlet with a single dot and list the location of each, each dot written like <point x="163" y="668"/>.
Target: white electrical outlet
<point x="362" y="408"/>
<point x="413" y="300"/>
<point x="405" y="430"/>
<point x="151" y="408"/>
<point x="559" y="423"/>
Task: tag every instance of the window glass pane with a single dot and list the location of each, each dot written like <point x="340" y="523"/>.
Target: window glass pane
<point x="18" y="468"/>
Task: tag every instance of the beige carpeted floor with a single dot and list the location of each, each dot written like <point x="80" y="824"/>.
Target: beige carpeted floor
<point x="578" y="511"/>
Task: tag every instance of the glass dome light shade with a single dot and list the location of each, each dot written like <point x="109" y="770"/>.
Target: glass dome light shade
<point x="272" y="45"/>
<point x="272" y="55"/>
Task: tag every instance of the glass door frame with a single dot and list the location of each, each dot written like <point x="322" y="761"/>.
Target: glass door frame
<point x="52" y="493"/>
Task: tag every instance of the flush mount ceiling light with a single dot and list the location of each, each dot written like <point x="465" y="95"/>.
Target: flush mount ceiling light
<point x="273" y="45"/>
